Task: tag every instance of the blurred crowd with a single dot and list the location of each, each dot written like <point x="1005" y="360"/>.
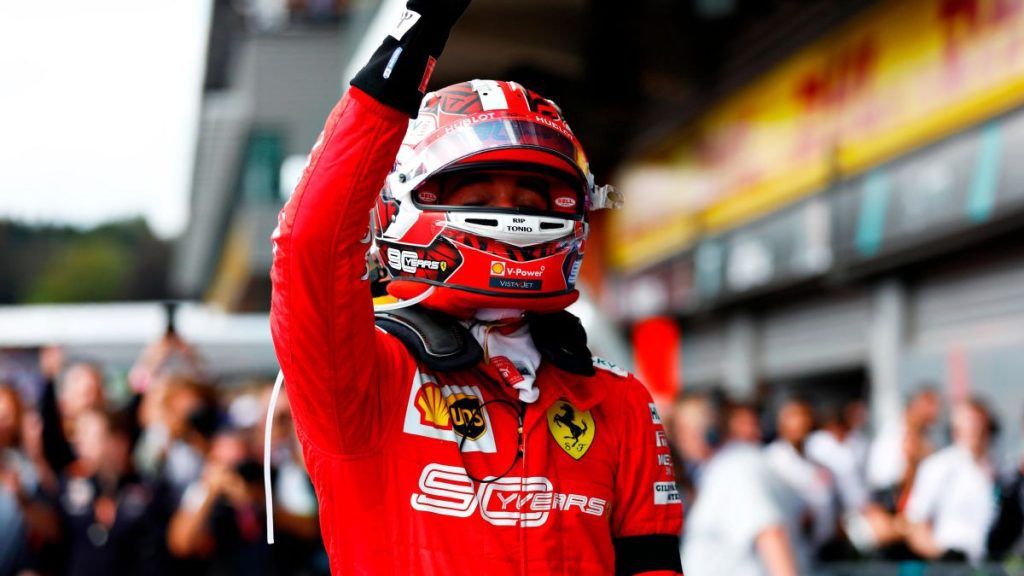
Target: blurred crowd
<point x="925" y="487"/>
<point x="165" y="479"/>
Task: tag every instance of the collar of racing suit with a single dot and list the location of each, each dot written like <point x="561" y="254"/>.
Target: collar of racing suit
<point x="504" y="336"/>
<point x="442" y="343"/>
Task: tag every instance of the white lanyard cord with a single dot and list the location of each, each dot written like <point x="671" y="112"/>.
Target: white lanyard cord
<point x="268" y="488"/>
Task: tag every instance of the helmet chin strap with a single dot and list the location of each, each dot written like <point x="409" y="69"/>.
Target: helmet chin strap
<point x="405" y="303"/>
<point x="497" y="314"/>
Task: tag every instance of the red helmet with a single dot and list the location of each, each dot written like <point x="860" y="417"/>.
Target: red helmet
<point x="480" y="256"/>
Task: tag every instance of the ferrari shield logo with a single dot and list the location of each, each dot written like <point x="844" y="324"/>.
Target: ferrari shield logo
<point x="572" y="430"/>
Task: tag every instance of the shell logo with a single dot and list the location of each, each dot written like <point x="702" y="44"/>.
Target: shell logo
<point x="497" y="268"/>
<point x="433" y="408"/>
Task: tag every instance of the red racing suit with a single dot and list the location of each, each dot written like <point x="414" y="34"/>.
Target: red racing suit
<point x="396" y="453"/>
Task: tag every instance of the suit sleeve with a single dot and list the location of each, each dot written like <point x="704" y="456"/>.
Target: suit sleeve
<point x="321" y="309"/>
<point x="334" y="361"/>
<point x="647" y="517"/>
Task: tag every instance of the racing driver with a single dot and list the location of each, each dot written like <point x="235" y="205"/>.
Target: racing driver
<point x="467" y="429"/>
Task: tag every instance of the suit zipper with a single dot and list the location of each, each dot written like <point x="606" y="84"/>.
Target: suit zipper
<point x="521" y="455"/>
<point x="522" y="479"/>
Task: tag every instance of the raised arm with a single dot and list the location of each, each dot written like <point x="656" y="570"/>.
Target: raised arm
<point x="321" y="312"/>
<point x="776" y="551"/>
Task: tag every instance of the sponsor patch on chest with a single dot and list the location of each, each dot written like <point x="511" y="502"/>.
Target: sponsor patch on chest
<point x="608" y="366"/>
<point x="448" y="412"/>
<point x="507" y="501"/>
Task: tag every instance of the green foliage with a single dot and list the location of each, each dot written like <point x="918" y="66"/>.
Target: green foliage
<point x="116" y="261"/>
<point x="92" y="270"/>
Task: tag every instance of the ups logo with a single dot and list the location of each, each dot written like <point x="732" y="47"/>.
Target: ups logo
<point x="467" y="417"/>
<point x="460" y="412"/>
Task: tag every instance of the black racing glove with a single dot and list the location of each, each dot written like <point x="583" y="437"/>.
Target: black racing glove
<point x="398" y="71"/>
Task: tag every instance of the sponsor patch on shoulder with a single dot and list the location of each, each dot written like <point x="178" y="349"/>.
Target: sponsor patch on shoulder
<point x="666" y="493"/>
<point x="660" y="439"/>
<point x="655" y="417"/>
<point x="609" y="367"/>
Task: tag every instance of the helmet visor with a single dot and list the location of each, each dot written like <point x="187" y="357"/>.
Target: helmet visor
<point x="500" y="144"/>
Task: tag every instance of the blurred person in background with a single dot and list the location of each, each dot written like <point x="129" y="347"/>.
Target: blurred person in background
<point x="110" y="515"/>
<point x="67" y="393"/>
<point x="55" y="452"/>
<point x="951" y="506"/>
<point x="81" y="389"/>
<point x="835" y="447"/>
<point x="169" y="354"/>
<point x="167" y="380"/>
<point x="297" y="544"/>
<point x="857" y="438"/>
<point x="296" y="518"/>
<point x="1004" y="537"/>
<point x="742" y="523"/>
<point x="26" y="519"/>
<point x="187" y="420"/>
<point x="744" y="422"/>
<point x="689" y="426"/>
<point x="898" y="448"/>
<point x="177" y="417"/>
<point x="112" y="522"/>
<point x="220" y="518"/>
<point x="787" y="456"/>
<point x="893" y="460"/>
<point x="841" y="448"/>
<point x="482" y="383"/>
<point x="1005" y="534"/>
<point x="154" y="437"/>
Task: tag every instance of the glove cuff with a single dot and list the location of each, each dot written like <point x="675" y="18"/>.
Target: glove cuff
<point x="398" y="72"/>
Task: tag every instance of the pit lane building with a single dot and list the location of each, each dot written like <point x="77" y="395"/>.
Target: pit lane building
<point x="820" y="196"/>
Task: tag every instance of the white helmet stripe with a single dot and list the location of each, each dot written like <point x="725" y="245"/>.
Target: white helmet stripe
<point x="492" y="97"/>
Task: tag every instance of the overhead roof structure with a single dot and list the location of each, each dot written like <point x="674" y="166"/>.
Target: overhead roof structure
<point x="115" y="334"/>
<point x="626" y="73"/>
